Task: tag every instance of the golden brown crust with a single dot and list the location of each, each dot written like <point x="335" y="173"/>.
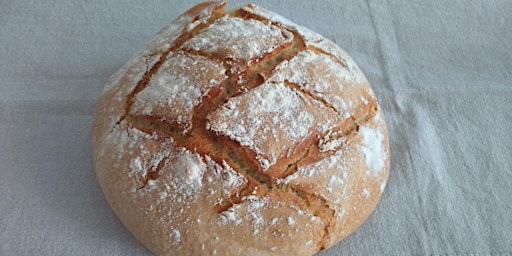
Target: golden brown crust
<point x="271" y="144"/>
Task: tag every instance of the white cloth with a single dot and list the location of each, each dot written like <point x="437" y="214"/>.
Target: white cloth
<point x="442" y="71"/>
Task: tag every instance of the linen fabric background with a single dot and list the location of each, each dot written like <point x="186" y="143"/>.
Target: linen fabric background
<point x="442" y="71"/>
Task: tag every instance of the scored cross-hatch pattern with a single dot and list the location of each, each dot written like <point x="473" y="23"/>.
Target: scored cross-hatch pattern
<point x="239" y="76"/>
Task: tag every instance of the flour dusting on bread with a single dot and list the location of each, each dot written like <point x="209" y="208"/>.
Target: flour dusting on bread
<point x="240" y="132"/>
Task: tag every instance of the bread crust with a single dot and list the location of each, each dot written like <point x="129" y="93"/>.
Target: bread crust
<point x="240" y="132"/>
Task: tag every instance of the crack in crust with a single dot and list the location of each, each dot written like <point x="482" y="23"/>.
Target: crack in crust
<point x="298" y="88"/>
<point x="320" y="208"/>
<point x="334" y="57"/>
<point x="221" y="148"/>
<point x="153" y="173"/>
<point x="178" y="42"/>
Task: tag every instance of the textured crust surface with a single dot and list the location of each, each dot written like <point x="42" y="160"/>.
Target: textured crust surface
<point x="240" y="133"/>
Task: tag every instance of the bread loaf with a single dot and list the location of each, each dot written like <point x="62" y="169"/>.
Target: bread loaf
<point x="240" y="133"/>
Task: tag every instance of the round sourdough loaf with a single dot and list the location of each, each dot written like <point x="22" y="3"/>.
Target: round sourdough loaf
<point x="240" y="133"/>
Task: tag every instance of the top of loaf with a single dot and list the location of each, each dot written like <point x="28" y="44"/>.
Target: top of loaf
<point x="237" y="41"/>
<point x="244" y="111"/>
<point x="272" y="80"/>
